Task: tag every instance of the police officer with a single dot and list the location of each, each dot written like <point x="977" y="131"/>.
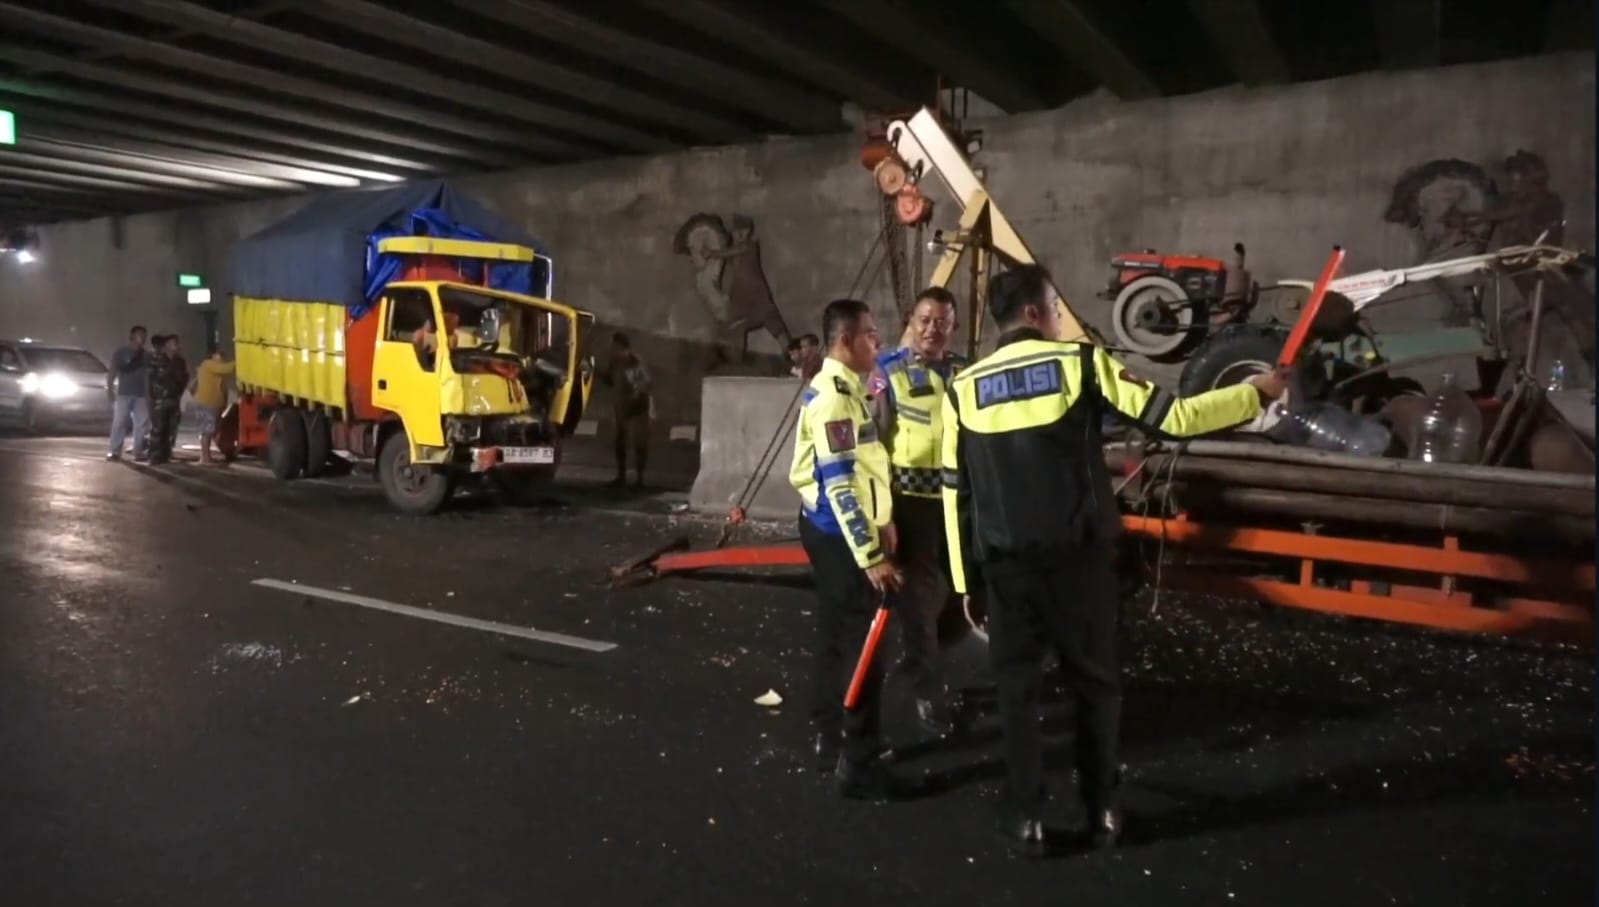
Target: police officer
<point x="1032" y="521"/>
<point x="841" y="473"/>
<point x="908" y="390"/>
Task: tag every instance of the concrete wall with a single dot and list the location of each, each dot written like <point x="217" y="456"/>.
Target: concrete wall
<point x="1289" y="171"/>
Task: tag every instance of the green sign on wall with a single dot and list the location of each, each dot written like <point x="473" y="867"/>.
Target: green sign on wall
<point x="190" y="280"/>
<point x="8" y="128"/>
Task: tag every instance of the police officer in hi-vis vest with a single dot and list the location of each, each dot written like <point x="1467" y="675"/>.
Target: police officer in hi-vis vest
<point x="907" y="391"/>
<point x="841" y="472"/>
<point x="1032" y="521"/>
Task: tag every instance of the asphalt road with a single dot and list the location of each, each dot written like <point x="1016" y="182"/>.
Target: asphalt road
<point x="174" y="732"/>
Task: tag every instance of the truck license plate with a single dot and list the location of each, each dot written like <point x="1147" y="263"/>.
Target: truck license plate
<point x="542" y="456"/>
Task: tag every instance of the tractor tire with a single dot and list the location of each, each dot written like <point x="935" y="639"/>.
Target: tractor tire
<point x="286" y="443"/>
<point x="412" y="490"/>
<point x="318" y="444"/>
<point x="1234" y="354"/>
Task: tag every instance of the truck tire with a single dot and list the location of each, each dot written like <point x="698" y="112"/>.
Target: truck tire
<point x="413" y="490"/>
<point x="1230" y="356"/>
<point x="286" y="443"/>
<point x="318" y="444"/>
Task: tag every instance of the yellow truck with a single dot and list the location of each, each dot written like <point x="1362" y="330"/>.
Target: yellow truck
<point x="440" y="373"/>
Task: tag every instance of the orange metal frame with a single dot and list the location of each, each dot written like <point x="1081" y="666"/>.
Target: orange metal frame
<point x="1555" y="600"/>
<point x="1568" y="615"/>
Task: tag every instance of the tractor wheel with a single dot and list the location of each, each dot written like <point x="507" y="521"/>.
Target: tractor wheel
<point x="1152" y="317"/>
<point x="318" y="444"/>
<point x="286" y="443"/>
<point x="412" y="490"/>
<point x="1233" y="355"/>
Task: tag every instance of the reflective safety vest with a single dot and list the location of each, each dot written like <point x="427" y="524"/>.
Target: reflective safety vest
<point x="1024" y="466"/>
<point x="909" y="401"/>
<point x="840" y="468"/>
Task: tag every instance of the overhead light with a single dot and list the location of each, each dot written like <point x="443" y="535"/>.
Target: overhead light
<point x="25" y="257"/>
<point x="199" y="296"/>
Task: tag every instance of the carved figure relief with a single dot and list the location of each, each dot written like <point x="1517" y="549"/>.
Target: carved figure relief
<point x="730" y="281"/>
<point x="1457" y="209"/>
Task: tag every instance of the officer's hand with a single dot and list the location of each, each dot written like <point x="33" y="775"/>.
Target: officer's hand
<point x="890" y="539"/>
<point x="1271" y="385"/>
<point x="884" y="577"/>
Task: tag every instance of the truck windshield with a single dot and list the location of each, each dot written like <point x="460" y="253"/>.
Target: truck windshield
<point x="524" y="330"/>
<point x="60" y="359"/>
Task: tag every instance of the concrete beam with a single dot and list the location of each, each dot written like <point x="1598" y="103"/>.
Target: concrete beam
<point x="118" y="107"/>
<point x="597" y="131"/>
<point x="1408" y="33"/>
<point x="1238" y="31"/>
<point x="768" y="98"/>
<point x="748" y="26"/>
<point x="1570" y="25"/>
<point x="88" y="150"/>
<point x="134" y="48"/>
<point x="243" y="102"/>
<point x="399" y="27"/>
<point x="73" y="197"/>
<point x="1087" y="46"/>
<point x="88" y="133"/>
<point x="905" y="27"/>
<point x="54" y="163"/>
<point x="9" y="170"/>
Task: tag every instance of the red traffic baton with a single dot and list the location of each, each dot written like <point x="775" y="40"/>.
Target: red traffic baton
<point x="873" y="636"/>
<point x="1301" y="330"/>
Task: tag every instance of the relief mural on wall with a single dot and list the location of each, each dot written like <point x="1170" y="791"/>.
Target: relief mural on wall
<point x="731" y="283"/>
<point x="1456" y="209"/>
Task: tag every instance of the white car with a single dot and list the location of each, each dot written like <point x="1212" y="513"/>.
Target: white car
<point x="44" y="388"/>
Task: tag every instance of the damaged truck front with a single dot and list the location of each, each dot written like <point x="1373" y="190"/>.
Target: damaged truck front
<point x="398" y="327"/>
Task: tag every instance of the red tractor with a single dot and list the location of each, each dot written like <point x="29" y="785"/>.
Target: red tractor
<point x="1165" y="302"/>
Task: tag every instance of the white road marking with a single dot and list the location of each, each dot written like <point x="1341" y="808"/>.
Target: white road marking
<point x="443" y="617"/>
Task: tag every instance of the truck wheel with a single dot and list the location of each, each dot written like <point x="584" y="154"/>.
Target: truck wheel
<point x="286" y="443"/>
<point x="1233" y="355"/>
<point x="318" y="444"/>
<point x="527" y="487"/>
<point x="414" y="490"/>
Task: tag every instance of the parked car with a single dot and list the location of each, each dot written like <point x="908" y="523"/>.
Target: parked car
<point x="47" y="388"/>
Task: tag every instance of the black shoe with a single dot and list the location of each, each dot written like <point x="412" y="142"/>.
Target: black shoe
<point x="113" y="456"/>
<point x="1024" y="836"/>
<point x="826" y="750"/>
<point x="933" y="716"/>
<point x="871" y="781"/>
<point x="1105" y="828"/>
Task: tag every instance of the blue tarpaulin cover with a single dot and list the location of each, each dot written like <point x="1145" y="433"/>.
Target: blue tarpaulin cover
<point x="327" y="251"/>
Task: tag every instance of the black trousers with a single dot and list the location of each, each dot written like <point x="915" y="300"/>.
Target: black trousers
<point x="845" y="606"/>
<point x="1072" y="604"/>
<point x="921" y="601"/>
<point x="164" y="415"/>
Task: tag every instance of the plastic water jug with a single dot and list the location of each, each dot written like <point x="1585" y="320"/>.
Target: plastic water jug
<point x="1450" y="428"/>
<point x="1325" y="426"/>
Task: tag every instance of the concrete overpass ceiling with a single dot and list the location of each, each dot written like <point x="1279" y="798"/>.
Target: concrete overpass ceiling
<point x="131" y="106"/>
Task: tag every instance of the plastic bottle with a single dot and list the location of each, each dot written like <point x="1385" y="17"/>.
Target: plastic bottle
<point x="1450" y="428"/>
<point x="1325" y="426"/>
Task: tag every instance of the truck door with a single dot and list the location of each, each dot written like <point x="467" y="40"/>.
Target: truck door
<point x="405" y="379"/>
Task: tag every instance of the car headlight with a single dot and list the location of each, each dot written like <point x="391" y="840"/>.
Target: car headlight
<point x="52" y="386"/>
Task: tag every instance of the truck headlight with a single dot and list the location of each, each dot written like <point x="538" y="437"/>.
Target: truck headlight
<point x="53" y="386"/>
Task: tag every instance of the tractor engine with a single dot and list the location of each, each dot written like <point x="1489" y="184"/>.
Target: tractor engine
<point x="1163" y="302"/>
